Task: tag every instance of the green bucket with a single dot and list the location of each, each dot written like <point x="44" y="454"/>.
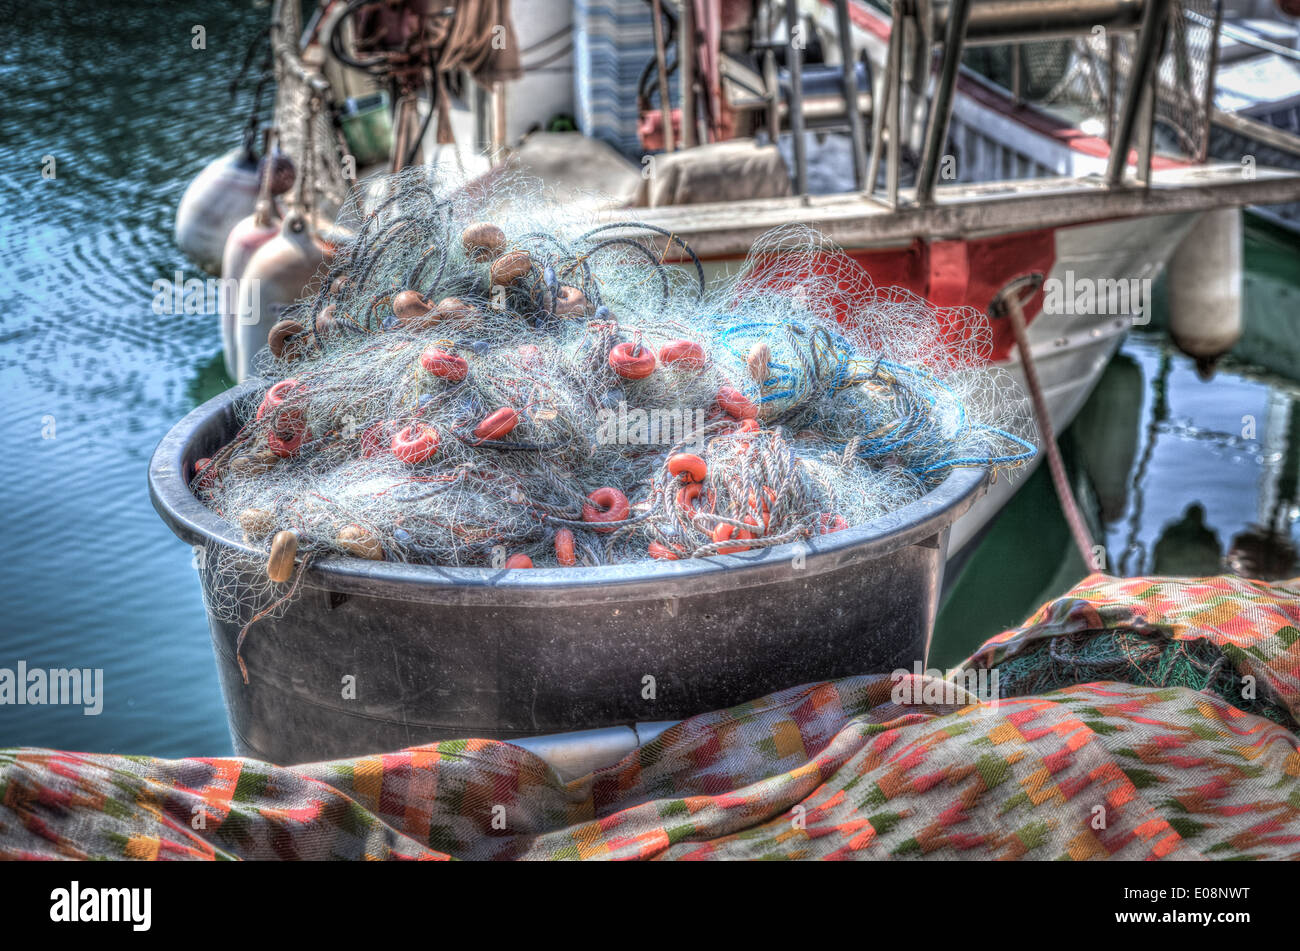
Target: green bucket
<point x="368" y="128"/>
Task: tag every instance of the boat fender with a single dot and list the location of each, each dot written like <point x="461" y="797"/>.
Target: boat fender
<point x="213" y="203"/>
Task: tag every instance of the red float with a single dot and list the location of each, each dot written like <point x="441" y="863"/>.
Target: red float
<point x="605" y="505"/>
<point x="498" y="425"/>
<point x="415" y="443"/>
<point x="662" y="552"/>
<point x="276" y="396"/>
<point x="726" y="532"/>
<point x="829" y="522"/>
<point x="682" y="353"/>
<point x="736" y="404"/>
<point x="564" y="552"/>
<point x="632" y="361"/>
<point x="688" y="464"/>
<point x="287" y="438"/>
<point x="444" y="365"/>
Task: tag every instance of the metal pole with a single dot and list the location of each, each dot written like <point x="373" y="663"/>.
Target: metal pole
<point x="1146" y="137"/>
<point x="795" y="62"/>
<point x="1017" y="75"/>
<point x="848" y="66"/>
<point x="498" y="122"/>
<point x="1144" y="62"/>
<point x="686" y="71"/>
<point x="936" y="133"/>
<point x="895" y="113"/>
<point x="879" y="111"/>
<point x="1211" y="71"/>
<point x="1112" y="78"/>
<point x="661" y="63"/>
<point x="772" y="82"/>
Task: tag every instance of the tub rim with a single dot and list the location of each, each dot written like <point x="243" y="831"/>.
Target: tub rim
<point x="923" y="522"/>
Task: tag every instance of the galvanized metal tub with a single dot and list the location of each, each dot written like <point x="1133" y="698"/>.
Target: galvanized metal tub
<point x="439" y="653"/>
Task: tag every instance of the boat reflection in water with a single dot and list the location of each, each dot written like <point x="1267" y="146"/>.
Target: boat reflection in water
<point x="1177" y="475"/>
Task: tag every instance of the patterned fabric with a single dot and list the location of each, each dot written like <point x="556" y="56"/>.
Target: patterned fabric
<point x="834" y="770"/>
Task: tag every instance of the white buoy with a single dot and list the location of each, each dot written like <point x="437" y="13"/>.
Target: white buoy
<point x="220" y="195"/>
<point x="245" y="238"/>
<point x="1205" y="279"/>
<point x="278" y="273"/>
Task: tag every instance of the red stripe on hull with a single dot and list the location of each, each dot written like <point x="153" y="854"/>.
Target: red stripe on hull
<point x="966" y="273"/>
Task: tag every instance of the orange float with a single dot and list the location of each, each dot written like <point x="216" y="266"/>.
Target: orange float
<point x="632" y="361"/>
<point x="662" y="552"/>
<point x="726" y="532"/>
<point x="688" y="464"/>
<point x="687" y="495"/>
<point x="444" y="365"/>
<point x="498" y="425"/>
<point x="287" y="439"/>
<point x="415" y="443"/>
<point x="564" y="552"/>
<point x="276" y="396"/>
<point x="736" y="404"/>
<point x="605" y="505"/>
<point x="682" y="353"/>
<point x="829" y="522"/>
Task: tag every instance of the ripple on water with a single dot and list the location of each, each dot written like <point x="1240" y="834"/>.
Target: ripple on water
<point x="130" y="113"/>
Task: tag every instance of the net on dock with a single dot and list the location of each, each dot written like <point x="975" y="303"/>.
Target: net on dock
<point x="483" y="376"/>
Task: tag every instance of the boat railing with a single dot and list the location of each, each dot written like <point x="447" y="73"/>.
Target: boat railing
<point x="1169" y="75"/>
<point x="1245" y="37"/>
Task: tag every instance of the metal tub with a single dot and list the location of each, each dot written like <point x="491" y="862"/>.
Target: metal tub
<point x="441" y="653"/>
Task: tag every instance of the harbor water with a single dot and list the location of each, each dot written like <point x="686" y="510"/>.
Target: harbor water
<point x="1177" y="474"/>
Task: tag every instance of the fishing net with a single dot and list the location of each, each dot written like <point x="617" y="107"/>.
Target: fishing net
<point x="1151" y="659"/>
<point x="485" y="379"/>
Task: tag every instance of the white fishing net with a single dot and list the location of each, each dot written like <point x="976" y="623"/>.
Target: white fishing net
<point x="482" y="376"/>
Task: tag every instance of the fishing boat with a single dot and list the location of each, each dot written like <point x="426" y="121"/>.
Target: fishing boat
<point x="966" y="188"/>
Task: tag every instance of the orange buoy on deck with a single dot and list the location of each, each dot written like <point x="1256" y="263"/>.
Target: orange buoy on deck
<point x="736" y="404"/>
<point x="689" y="465"/>
<point x="682" y="353"/>
<point x="444" y="365"/>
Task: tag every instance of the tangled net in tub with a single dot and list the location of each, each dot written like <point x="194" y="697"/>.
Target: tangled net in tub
<point x="482" y="380"/>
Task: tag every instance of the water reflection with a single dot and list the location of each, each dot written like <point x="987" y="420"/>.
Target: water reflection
<point x="1178" y="476"/>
